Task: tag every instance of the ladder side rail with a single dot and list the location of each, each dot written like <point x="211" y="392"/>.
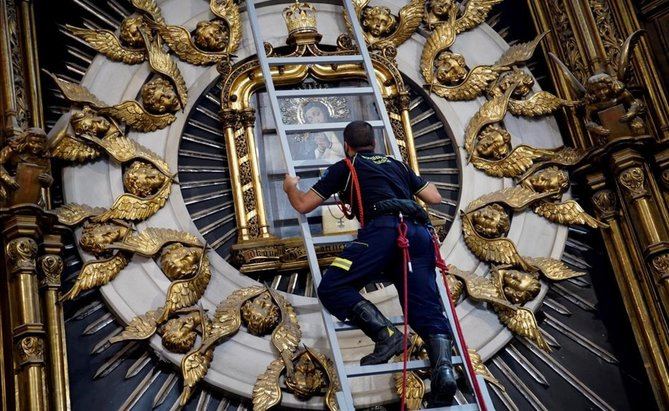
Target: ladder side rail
<point x="371" y="76"/>
<point x="450" y="313"/>
<point x="345" y="398"/>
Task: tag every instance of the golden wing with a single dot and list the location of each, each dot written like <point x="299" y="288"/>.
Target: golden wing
<point x="194" y="367"/>
<point x="106" y="43"/>
<point x="130" y="207"/>
<point x="441" y="38"/>
<point x="76" y="93"/>
<point x="141" y="327"/>
<point x="492" y="111"/>
<point x="540" y="104"/>
<point x="187" y="292"/>
<point x="148" y="242"/>
<point x="97" y="273"/>
<point x="287" y="335"/>
<point x="520" y="53"/>
<point x="553" y="269"/>
<point x="477" y="80"/>
<point x="567" y="156"/>
<point x="162" y="63"/>
<point x="333" y="380"/>
<point x="133" y="114"/>
<point x="479" y="288"/>
<point x="68" y="148"/>
<point x="73" y="214"/>
<point x="266" y="391"/>
<point x="522" y="322"/>
<point x="501" y="250"/>
<point x="415" y="389"/>
<point x="567" y="213"/>
<point x="475" y="13"/>
<point x="410" y="17"/>
<point x="178" y="39"/>
<point x="151" y="8"/>
<point x="228" y="10"/>
<point x="513" y="165"/>
<point x="482" y="370"/>
<point x="123" y="149"/>
<point x="516" y="197"/>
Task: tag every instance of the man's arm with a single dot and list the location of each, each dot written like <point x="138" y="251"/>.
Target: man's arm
<point x="302" y="202"/>
<point x="429" y="194"/>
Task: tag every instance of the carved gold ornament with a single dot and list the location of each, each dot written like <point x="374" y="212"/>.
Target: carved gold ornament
<point x="474" y="13"/>
<point x="381" y="28"/>
<point x="482" y="370"/>
<point x="21" y="254"/>
<point x="96" y="273"/>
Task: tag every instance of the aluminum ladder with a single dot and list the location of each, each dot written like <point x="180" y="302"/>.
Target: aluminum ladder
<point x="344" y="372"/>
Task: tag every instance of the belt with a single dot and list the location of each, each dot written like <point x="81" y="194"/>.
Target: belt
<point x="394" y="206"/>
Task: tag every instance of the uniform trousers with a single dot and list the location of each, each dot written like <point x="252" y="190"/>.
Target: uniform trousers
<point x="375" y="257"/>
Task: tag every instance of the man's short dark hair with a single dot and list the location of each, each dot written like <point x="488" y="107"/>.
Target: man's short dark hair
<point x="358" y="134"/>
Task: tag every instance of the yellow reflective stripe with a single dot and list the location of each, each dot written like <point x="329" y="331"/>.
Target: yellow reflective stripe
<point x="342" y="263"/>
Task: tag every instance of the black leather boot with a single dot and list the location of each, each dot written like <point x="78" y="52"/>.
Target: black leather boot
<point x="376" y="326"/>
<point x="443" y="384"/>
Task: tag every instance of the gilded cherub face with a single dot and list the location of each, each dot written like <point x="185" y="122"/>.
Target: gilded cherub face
<point x="143" y="179"/>
<point x="87" y="122"/>
<point x="451" y="68"/>
<point x="308" y="378"/>
<point x="178" y="261"/>
<point x="260" y="314"/>
<point x="211" y="35"/>
<point x="179" y="333"/>
<point x="440" y="8"/>
<point x="35" y="142"/>
<point x="130" y="31"/>
<point x="378" y="21"/>
<point x="550" y="179"/>
<point x="520" y="287"/>
<point x="96" y="236"/>
<point x="491" y="221"/>
<point x="494" y="143"/>
<point x="603" y="87"/>
<point x="159" y="96"/>
<point x="524" y="83"/>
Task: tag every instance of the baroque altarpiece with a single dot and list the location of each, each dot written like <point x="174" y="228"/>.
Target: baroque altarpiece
<point x="152" y="261"/>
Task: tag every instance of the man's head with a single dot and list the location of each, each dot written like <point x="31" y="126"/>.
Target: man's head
<point x="358" y="135"/>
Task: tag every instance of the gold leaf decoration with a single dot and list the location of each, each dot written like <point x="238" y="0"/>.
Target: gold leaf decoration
<point x="516" y="197"/>
<point x="333" y="379"/>
<point x="408" y="21"/>
<point x="106" y="43"/>
<point x="553" y="269"/>
<point x="482" y="370"/>
<point x="67" y="148"/>
<point x="179" y="40"/>
<point x="194" y="367"/>
<point x="441" y="39"/>
<point x="513" y="165"/>
<point x="266" y="391"/>
<point x="136" y="117"/>
<point x="162" y="63"/>
<point x="522" y="322"/>
<point x="228" y="10"/>
<point x="97" y="273"/>
<point x="148" y="242"/>
<point x="567" y="213"/>
<point x="415" y="389"/>
<point x="520" y="53"/>
<point x="492" y="111"/>
<point x="539" y="104"/>
<point x="187" y="292"/>
<point x="72" y="214"/>
<point x="474" y="14"/>
<point x="287" y="335"/>
<point x="131" y="207"/>
<point x="76" y="93"/>
<point x="151" y="8"/>
<point x="122" y="149"/>
<point x="500" y="250"/>
<point x="477" y="80"/>
<point x="141" y="327"/>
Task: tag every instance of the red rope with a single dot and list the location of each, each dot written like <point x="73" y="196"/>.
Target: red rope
<point x="443" y="268"/>
<point x="355" y="191"/>
<point x="403" y="244"/>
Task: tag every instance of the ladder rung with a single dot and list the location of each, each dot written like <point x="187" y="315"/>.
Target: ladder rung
<point x="325" y="92"/>
<point x="332" y="239"/>
<point x="281" y="61"/>
<point x="364" y="370"/>
<point x="341" y="326"/>
<point x="338" y="126"/>
<point x="460" y="407"/>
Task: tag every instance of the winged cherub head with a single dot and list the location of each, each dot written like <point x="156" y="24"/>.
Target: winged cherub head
<point x="491" y="221"/>
<point x="32" y="142"/>
<point x="548" y="180"/>
<point x="178" y="261"/>
<point x="520" y="287"/>
<point x="143" y="179"/>
<point x="96" y="236"/>
<point x="130" y="31"/>
<point x="603" y="87"/>
<point x="260" y="314"/>
<point x="451" y="68"/>
<point x="308" y="378"/>
<point x="440" y="8"/>
<point x="522" y="80"/>
<point x="179" y="333"/>
<point x="378" y="21"/>
<point x="87" y="122"/>
<point x="159" y="96"/>
<point x="494" y="143"/>
<point x="211" y="35"/>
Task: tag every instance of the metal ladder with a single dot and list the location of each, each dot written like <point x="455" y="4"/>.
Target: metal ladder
<point x="344" y="372"/>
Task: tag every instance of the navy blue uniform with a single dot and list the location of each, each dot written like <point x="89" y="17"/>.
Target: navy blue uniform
<point x="374" y="256"/>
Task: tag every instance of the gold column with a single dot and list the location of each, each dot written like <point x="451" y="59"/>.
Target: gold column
<point x="51" y="268"/>
<point x="248" y="119"/>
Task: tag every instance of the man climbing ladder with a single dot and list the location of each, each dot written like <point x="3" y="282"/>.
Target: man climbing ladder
<point x="379" y="191"/>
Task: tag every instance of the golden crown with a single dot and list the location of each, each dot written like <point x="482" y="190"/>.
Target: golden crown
<point x="300" y="17"/>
